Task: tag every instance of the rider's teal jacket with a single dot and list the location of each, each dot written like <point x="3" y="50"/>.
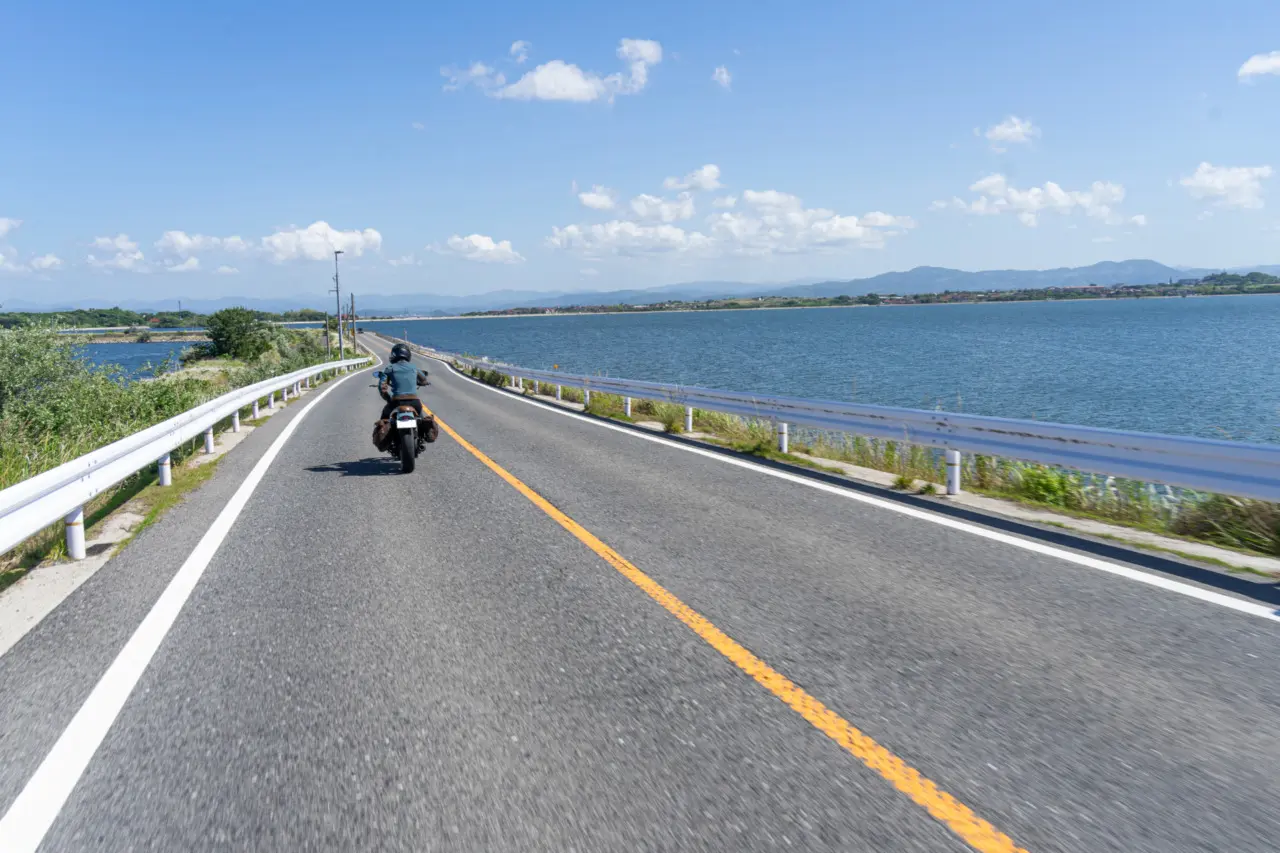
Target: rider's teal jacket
<point x="404" y="379"/>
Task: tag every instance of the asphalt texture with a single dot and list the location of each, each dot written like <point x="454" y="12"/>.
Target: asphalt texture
<point x="430" y="662"/>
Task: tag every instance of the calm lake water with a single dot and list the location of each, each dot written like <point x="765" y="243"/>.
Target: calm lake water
<point x="134" y="358"/>
<point x="1206" y="366"/>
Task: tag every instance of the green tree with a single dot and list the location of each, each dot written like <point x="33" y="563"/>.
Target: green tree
<point x="238" y="333"/>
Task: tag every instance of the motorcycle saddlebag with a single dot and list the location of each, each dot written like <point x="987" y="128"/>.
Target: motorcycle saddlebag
<point x="382" y="435"/>
<point x="432" y="431"/>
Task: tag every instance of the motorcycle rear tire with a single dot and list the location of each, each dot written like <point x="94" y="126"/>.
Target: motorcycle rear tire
<point x="408" y="451"/>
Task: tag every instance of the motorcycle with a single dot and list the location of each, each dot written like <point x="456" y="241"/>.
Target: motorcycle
<point x="405" y="435"/>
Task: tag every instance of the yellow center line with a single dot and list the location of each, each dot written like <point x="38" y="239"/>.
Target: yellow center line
<point x="958" y="817"/>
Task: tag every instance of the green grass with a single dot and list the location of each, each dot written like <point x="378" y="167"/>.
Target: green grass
<point x="766" y="449"/>
<point x="56" y="406"/>
<point x="155" y="500"/>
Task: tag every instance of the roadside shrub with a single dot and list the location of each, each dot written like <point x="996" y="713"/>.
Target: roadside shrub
<point x="1234" y="522"/>
<point x="237" y="333"/>
<point x="670" y="416"/>
<point x="607" y="405"/>
<point x="55" y="405"/>
<point x="494" y="378"/>
<point x="1048" y="486"/>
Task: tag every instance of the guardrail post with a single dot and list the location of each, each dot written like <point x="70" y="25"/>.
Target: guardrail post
<point x="626" y="406"/>
<point x="783" y="438"/>
<point x="586" y="397"/>
<point x="75" y="533"/>
<point x="953" y="472"/>
<point x="165" y="470"/>
<point x="688" y="418"/>
<point x="235" y="421"/>
<point x="557" y="392"/>
<point x="255" y="410"/>
<point x="208" y="440"/>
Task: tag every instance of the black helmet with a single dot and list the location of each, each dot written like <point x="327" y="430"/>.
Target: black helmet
<point x="399" y="352"/>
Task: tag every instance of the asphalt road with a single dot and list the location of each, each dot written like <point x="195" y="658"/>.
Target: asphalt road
<point x="432" y="662"/>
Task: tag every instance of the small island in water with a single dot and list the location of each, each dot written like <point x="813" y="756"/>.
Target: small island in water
<point x="1219" y="284"/>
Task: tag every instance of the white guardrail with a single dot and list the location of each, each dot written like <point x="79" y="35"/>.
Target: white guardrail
<point x="32" y="505"/>
<point x="1232" y="468"/>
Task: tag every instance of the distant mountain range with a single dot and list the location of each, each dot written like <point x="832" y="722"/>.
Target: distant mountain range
<point x="918" y="280"/>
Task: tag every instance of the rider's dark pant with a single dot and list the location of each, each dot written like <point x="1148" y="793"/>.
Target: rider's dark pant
<point x="402" y="400"/>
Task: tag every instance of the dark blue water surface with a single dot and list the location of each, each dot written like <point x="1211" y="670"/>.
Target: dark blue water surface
<point x="137" y="360"/>
<point x="1197" y="366"/>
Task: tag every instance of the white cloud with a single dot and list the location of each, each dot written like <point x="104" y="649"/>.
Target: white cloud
<point x="417" y="125"/>
<point x="408" y="260"/>
<point x="996" y="196"/>
<point x="598" y="198"/>
<point x="318" y="241"/>
<point x="1228" y="186"/>
<point x="651" y="207"/>
<point x="778" y="222"/>
<point x="478" y="247"/>
<point x="185" y="245"/>
<point x="704" y="178"/>
<point x="227" y="270"/>
<point x="46" y="262"/>
<point x="477" y="74"/>
<point x="1104" y="239"/>
<point x="558" y="80"/>
<point x="120" y="242"/>
<point x="1012" y="129"/>
<point x="876" y="219"/>
<point x="1140" y="219"/>
<point x="125" y="254"/>
<point x="623" y="237"/>
<point x="7" y="225"/>
<point x="189" y="265"/>
<point x="770" y="222"/>
<point x="519" y="51"/>
<point x="722" y="76"/>
<point x="1262" y="63"/>
<point x="725" y="202"/>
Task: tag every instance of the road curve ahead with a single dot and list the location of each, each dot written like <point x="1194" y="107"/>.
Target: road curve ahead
<point x="557" y="635"/>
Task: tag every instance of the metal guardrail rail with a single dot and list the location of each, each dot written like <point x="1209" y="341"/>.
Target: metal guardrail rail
<point x="1239" y="469"/>
<point x="28" y="507"/>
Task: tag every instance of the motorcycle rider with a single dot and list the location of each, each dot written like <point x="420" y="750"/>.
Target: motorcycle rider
<point x="400" y="382"/>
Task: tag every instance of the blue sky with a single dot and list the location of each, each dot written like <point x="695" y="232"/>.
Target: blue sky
<point x="850" y="139"/>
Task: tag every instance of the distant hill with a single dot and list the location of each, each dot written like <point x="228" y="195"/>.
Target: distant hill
<point x="938" y="279"/>
<point x="918" y="280"/>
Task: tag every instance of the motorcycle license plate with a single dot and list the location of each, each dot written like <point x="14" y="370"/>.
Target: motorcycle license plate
<point x="407" y="423"/>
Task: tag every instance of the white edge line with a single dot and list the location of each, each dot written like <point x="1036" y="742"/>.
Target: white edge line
<point x="1189" y="590"/>
<point x="29" y="817"/>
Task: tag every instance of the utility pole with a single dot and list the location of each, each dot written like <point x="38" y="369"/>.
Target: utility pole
<point x="352" y="315"/>
<point x="337" y="296"/>
<point x="328" y="347"/>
